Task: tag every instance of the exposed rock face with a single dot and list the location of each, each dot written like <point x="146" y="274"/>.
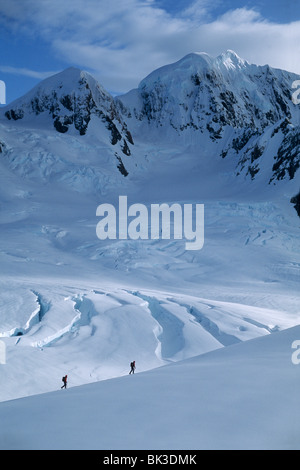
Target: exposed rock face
<point x="296" y="201"/>
<point x="287" y="160"/>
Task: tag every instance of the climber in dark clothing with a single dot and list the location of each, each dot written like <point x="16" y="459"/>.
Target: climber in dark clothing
<point x="132" y="365"/>
<point x="64" y="379"/>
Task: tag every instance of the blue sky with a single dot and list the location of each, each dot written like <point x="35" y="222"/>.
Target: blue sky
<point x="121" y="41"/>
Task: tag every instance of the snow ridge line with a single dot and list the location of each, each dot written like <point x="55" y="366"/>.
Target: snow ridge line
<point x="169" y="331"/>
<point x="34" y="318"/>
<point x="84" y="309"/>
<point x="49" y="340"/>
<point x="211" y="327"/>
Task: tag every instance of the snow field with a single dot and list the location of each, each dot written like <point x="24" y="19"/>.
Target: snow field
<point x="243" y="396"/>
<point x="93" y="334"/>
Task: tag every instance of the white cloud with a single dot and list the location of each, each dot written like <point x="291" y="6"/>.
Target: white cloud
<point x="26" y="72"/>
<point x="199" y="10"/>
<point x="255" y="39"/>
<point x="121" y="41"/>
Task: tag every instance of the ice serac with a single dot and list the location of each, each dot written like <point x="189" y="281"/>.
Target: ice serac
<point x="71" y="100"/>
<point x="246" y="111"/>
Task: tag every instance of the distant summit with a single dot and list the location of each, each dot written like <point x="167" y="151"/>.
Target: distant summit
<point x="70" y="100"/>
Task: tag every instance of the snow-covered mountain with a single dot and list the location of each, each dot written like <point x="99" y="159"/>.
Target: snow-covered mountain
<point x="216" y="131"/>
<point x="72" y="101"/>
<point x="72" y="98"/>
<point x="244" y="109"/>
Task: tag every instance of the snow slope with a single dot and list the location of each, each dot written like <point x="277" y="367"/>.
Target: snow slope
<point x="242" y="397"/>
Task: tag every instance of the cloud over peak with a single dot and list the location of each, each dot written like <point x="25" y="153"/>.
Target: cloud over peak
<point x="122" y="41"/>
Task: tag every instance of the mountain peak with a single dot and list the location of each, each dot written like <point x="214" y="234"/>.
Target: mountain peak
<point x="230" y="59"/>
<point x="197" y="57"/>
<point x="70" y="81"/>
<point x="229" y="53"/>
<point x="70" y="99"/>
<point x="193" y="63"/>
<point x="225" y="101"/>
